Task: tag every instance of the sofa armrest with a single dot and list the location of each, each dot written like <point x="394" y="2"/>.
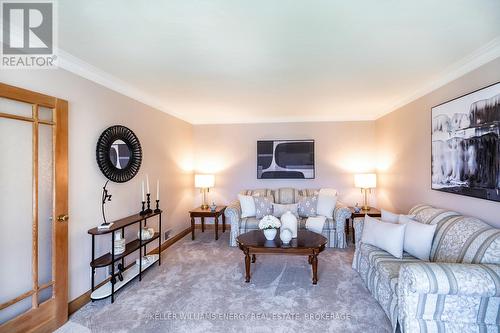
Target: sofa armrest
<point x="450" y="279"/>
<point x="340" y="214"/>
<point x="233" y="213"/>
<point x="357" y="224"/>
<point x="449" y="295"/>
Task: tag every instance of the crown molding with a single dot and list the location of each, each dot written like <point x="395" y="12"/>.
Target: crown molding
<point x="82" y="68"/>
<point x="286" y="120"/>
<point x="474" y="60"/>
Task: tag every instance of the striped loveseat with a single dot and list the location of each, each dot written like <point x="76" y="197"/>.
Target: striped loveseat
<point x="457" y="291"/>
<point x="333" y="230"/>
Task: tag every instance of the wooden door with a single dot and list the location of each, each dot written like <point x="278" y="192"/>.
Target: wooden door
<point x="33" y="211"/>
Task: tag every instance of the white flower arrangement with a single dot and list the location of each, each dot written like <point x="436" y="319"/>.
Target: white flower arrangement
<point x="269" y="222"/>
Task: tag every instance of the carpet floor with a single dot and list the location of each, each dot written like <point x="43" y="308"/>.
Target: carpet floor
<point x="200" y="287"/>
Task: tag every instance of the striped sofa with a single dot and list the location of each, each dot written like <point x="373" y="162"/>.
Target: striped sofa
<point x="457" y="291"/>
<point x="334" y="229"/>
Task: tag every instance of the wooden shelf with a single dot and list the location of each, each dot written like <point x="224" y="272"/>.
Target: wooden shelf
<point x="122" y="223"/>
<point x="106" y="260"/>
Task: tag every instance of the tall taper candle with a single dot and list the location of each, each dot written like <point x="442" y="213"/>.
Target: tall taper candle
<point x="157" y="189"/>
<point x="147" y="183"/>
<point x="143" y="196"/>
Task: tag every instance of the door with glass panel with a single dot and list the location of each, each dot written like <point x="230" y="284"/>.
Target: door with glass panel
<point x="33" y="211"/>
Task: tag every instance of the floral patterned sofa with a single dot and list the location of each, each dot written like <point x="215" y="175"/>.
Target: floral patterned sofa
<point x="333" y="230"/>
<point x="457" y="291"/>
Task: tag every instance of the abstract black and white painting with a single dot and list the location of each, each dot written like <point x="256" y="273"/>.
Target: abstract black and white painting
<point x="285" y="159"/>
<point x="465" y="144"/>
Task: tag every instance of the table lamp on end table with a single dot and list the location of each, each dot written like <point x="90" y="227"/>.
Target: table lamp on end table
<point x="365" y="181"/>
<point x="204" y="183"/>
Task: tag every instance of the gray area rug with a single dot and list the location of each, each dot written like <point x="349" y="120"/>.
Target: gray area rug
<point x="200" y="288"/>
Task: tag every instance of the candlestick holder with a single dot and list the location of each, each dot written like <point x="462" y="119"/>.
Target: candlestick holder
<point x="143" y="210"/>
<point x="157" y="210"/>
<point x="149" y="210"/>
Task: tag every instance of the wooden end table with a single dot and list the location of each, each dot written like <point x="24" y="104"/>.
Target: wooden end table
<point x="202" y="213"/>
<point x="307" y="243"/>
<point x="373" y="212"/>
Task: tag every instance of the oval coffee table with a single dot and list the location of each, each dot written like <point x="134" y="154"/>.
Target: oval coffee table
<point x="307" y="243"/>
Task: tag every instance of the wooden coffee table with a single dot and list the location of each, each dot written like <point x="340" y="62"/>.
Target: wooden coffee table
<point x="307" y="243"/>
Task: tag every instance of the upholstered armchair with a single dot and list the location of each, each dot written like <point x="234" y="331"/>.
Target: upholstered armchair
<point x="333" y="230"/>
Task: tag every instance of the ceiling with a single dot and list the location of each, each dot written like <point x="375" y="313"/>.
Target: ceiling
<point x="234" y="61"/>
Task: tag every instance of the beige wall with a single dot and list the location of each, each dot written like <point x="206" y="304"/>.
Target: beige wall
<point x="404" y="152"/>
<point x="230" y="152"/>
<point x="167" y="155"/>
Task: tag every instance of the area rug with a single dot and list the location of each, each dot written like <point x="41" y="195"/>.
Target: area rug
<point x="200" y="287"/>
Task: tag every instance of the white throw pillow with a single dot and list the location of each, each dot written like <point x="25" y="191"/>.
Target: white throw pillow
<point x="247" y="204"/>
<point x="418" y="237"/>
<point x="386" y="236"/>
<point x="327" y="200"/>
<point x="280" y="209"/>
<point x="315" y="224"/>
<point x="391" y="217"/>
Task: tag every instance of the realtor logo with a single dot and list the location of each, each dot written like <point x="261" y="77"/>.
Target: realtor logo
<point x="28" y="35"/>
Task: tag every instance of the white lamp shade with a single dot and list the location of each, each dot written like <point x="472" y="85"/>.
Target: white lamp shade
<point x="365" y="180"/>
<point x="204" y="181"/>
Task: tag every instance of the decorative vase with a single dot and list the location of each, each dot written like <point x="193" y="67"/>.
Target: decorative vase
<point x="147" y="233"/>
<point x="270" y="234"/>
<point x="289" y="221"/>
<point x="119" y="246"/>
<point x="286" y="236"/>
<point x="357" y="209"/>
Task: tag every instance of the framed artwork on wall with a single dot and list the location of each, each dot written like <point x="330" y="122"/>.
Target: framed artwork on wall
<point x="465" y="144"/>
<point x="285" y="159"/>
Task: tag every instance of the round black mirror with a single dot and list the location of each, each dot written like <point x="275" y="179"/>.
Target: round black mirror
<point x="119" y="154"/>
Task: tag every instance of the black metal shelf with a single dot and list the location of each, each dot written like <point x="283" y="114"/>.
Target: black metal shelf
<point x="109" y="259"/>
<point x="106" y="260"/>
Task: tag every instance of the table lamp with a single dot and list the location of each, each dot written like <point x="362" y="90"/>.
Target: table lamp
<point x="365" y="181"/>
<point x="204" y="183"/>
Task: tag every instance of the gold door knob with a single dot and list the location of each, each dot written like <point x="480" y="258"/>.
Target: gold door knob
<point x="62" y="218"/>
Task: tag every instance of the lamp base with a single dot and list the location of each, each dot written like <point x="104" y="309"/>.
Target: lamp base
<point x="365" y="203"/>
<point x="204" y="204"/>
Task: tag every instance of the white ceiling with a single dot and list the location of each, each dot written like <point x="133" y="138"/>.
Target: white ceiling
<point x="235" y="61"/>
